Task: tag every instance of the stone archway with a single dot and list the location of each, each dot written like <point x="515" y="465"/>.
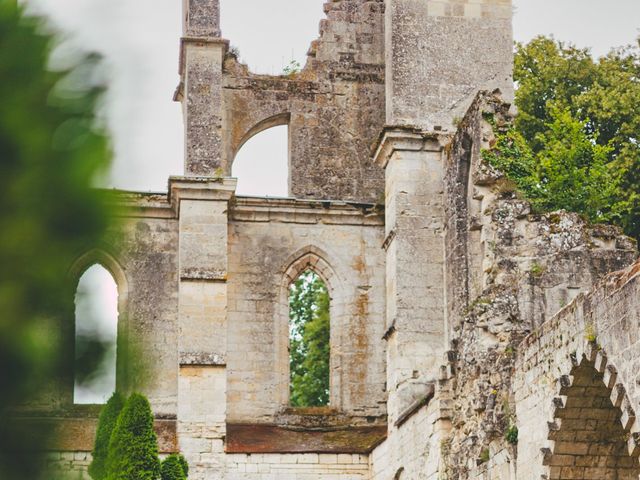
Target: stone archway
<point x="591" y="433"/>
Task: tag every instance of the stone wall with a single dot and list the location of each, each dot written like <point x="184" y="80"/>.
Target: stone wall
<point x="304" y="466"/>
<point x="144" y="248"/>
<point x="271" y="242"/>
<point x="334" y="107"/>
<point x="139" y="252"/>
<point x="508" y="270"/>
<point x="416" y="448"/>
<point x="439" y="53"/>
<point x="582" y="364"/>
<point x="61" y="465"/>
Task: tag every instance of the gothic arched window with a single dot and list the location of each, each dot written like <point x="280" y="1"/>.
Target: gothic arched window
<point x="96" y="332"/>
<point x="309" y="341"/>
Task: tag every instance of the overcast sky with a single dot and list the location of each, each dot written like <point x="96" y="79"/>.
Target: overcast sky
<point x="139" y="40"/>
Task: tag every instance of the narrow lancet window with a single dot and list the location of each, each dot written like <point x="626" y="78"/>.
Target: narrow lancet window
<point x="96" y="314"/>
<point x="309" y="341"/>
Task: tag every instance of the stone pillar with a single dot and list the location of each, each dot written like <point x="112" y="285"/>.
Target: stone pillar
<point x="200" y="91"/>
<point x="201" y="18"/>
<point x="440" y="53"/>
<point x="414" y="243"/>
<point x="202" y="206"/>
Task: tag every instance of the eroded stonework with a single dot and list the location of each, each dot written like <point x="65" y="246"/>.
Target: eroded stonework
<point x="464" y="344"/>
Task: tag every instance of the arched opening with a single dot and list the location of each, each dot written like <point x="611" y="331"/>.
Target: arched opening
<point x="262" y="163"/>
<point x="589" y="432"/>
<point x="309" y="341"/>
<point x="96" y="332"/>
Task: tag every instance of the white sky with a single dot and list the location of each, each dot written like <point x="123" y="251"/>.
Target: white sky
<point x="139" y="39"/>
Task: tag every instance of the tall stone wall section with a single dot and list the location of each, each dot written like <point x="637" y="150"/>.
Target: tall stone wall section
<point x="440" y="53"/>
<point x="599" y="331"/>
<point x="272" y="242"/>
<point x="334" y="107"/>
<point x="508" y="270"/>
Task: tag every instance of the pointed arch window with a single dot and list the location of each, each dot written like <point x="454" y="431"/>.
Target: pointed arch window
<point x="96" y="332"/>
<point x="309" y="341"/>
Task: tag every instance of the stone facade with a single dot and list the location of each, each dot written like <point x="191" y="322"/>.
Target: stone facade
<point x="464" y="344"/>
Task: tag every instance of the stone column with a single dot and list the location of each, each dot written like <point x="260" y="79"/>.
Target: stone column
<point x="202" y="205"/>
<point x="200" y="91"/>
<point x="414" y="243"/>
<point x="440" y="53"/>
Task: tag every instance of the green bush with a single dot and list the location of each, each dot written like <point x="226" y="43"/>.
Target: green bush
<point x="133" y="449"/>
<point x="511" y="435"/>
<point x="175" y="467"/>
<point x="106" y="424"/>
<point x="184" y="464"/>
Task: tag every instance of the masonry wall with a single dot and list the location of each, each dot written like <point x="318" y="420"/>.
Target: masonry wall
<point x="507" y="271"/>
<point x="440" y="53"/>
<point x="139" y="252"/>
<point x="145" y="248"/>
<point x="416" y="449"/>
<point x="268" y="241"/>
<point x="334" y="107"/>
<point x="600" y="328"/>
<point x="304" y="466"/>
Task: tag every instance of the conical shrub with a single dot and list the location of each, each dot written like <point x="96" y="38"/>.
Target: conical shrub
<point x="173" y="468"/>
<point x="133" y="449"/>
<point x="106" y="424"/>
<point x="185" y="465"/>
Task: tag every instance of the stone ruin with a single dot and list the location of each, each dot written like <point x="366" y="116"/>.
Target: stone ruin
<point x="471" y="338"/>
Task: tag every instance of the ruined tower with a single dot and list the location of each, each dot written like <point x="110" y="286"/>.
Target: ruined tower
<point x="431" y="288"/>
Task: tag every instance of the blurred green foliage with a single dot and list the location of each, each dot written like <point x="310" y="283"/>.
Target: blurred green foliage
<point x="50" y="154"/>
<point x="309" y="343"/>
<point x="576" y="141"/>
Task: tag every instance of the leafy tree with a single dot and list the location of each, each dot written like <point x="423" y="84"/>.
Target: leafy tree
<point x="570" y="171"/>
<point x="106" y="425"/>
<point x="50" y="153"/>
<point x="133" y="449"/>
<point x="576" y="141"/>
<point x="309" y="341"/>
<point x="174" y="467"/>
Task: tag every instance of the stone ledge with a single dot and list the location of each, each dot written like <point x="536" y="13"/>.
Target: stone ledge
<point x="202" y="359"/>
<point x="291" y="210"/>
<point x="267" y="438"/>
<point x="203" y="275"/>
